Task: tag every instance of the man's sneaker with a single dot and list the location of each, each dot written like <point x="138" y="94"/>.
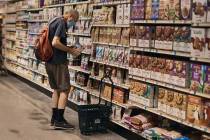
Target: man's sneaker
<point x="63" y="125"/>
<point x="52" y="122"/>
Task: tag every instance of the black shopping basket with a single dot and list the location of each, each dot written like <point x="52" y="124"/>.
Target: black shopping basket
<point x="95" y="117"/>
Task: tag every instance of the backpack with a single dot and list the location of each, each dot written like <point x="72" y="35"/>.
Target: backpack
<point x="43" y="47"/>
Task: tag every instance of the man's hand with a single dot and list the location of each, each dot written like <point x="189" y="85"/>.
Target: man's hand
<point x="75" y="51"/>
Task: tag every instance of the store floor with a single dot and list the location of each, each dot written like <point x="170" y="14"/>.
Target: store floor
<point x="25" y="114"/>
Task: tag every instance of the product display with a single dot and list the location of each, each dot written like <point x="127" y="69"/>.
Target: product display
<point x="157" y="53"/>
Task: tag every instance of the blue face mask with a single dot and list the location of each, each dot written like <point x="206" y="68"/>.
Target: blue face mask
<point x="70" y="24"/>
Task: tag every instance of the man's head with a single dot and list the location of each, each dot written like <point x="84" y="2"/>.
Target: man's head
<point x="71" y="16"/>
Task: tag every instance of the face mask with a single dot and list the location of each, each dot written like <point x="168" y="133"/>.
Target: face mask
<point x="70" y="24"/>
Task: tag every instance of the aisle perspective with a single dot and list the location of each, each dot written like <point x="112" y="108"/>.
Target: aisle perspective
<point x="158" y="51"/>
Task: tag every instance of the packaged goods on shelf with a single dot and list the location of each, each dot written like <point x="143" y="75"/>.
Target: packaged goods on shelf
<point x="146" y="36"/>
<point x="103" y="15"/>
<point x="11" y="18"/>
<point x="133" y="36"/>
<point x="143" y="94"/>
<point x="119" y="14"/>
<point x="126" y="15"/>
<point x="207" y="50"/>
<point x="50" y="13"/>
<point x="78" y="96"/>
<point x="81" y="79"/>
<point x="152" y="10"/>
<point x="186" y="9"/>
<point x="35" y="27"/>
<point x="138" y="10"/>
<point x="36" y="16"/>
<point x="206" y="88"/>
<point x="33" y="4"/>
<point x="199" y="14"/>
<point x="116" y="113"/>
<point x="21" y="34"/>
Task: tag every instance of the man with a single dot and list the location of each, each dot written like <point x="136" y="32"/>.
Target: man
<point x="57" y="66"/>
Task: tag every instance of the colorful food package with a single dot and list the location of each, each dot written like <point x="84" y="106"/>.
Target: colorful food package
<point x="120" y="56"/>
<point x="164" y="9"/>
<point x="174" y="10"/>
<point x="152" y="10"/>
<point x="107" y="92"/>
<point x="199" y="11"/>
<point x="207" y="51"/>
<point x="208" y="11"/>
<point x="162" y="99"/>
<point x="170" y="73"/>
<point x="206" y="112"/>
<point x="144" y="36"/>
<point x="161" y="69"/>
<point x="197" y="77"/>
<point x="206" y="88"/>
<point x="195" y="110"/>
<point x="186" y="9"/>
<point x="137" y="65"/>
<point x="168" y="38"/>
<point x="133" y="36"/>
<point x="146" y="73"/>
<point x="180" y="106"/>
<point x="119" y="14"/>
<point x="182" y="39"/>
<point x="125" y="37"/>
<point x="126" y="57"/>
<point x="116" y="35"/>
<point x="170" y="102"/>
<point x="159" y="37"/>
<point x="182" y="73"/>
<point x="148" y="10"/>
<point x="137" y="10"/>
<point x="109" y="35"/>
<point x="154" y="63"/>
<point x="106" y="54"/>
<point x="198" y="42"/>
<point x="126" y="18"/>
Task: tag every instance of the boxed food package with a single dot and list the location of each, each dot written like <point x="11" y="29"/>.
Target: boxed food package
<point x="116" y="35"/>
<point x="195" y="110"/>
<point x="198" y="42"/>
<point x="126" y="57"/>
<point x="174" y="10"/>
<point x="109" y="35"/>
<point x="148" y="10"/>
<point x="120" y="56"/>
<point x="207" y="51"/>
<point x="168" y="38"/>
<point x="182" y="39"/>
<point x="206" y="88"/>
<point x="170" y="73"/>
<point x="206" y="112"/>
<point x="208" y="11"/>
<point x="137" y="10"/>
<point x="144" y="36"/>
<point x="186" y="10"/>
<point x="107" y="92"/>
<point x="116" y="113"/>
<point x="119" y="14"/>
<point x="125" y="36"/>
<point x="170" y="102"/>
<point x="137" y="69"/>
<point x="154" y="69"/>
<point x="164" y="10"/>
<point x="133" y="36"/>
<point x="180" y="108"/>
<point x="182" y="73"/>
<point x="146" y="73"/>
<point x="161" y="69"/>
<point x="126" y="18"/>
<point x="199" y="11"/>
<point x="152" y="9"/>
<point x="197" y="71"/>
<point x="162" y="99"/>
<point x="120" y="96"/>
<point x="159" y="37"/>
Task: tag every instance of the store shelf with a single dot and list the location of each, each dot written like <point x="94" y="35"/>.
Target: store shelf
<point x="85" y="18"/>
<point x="186" y="22"/>
<point x="24" y="57"/>
<point x="112" y="3"/>
<point x="10" y="22"/>
<point x="107" y="81"/>
<point x="10" y="12"/>
<point x="205" y="60"/>
<point x="80" y="87"/>
<point x="31" y="33"/>
<point x="201" y="25"/>
<point x="67" y="4"/>
<point x="21" y="29"/>
<point x="106" y="63"/>
<point x="35" y="9"/>
<point x="79" y="34"/>
<point x="20" y="47"/>
<point x="96" y="94"/>
<point x="168" y="52"/>
<point x="10" y="30"/>
<point x="13" y="49"/>
<point x="10" y="59"/>
<point x="78" y="68"/>
<point x="170" y="86"/>
<point x="110" y="44"/>
<point x="10" y="39"/>
<point x="38" y="20"/>
<point x="77" y="103"/>
<point x="157" y="112"/>
<point x="111" y="25"/>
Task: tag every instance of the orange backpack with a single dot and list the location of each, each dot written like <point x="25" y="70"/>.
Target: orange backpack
<point x="43" y="49"/>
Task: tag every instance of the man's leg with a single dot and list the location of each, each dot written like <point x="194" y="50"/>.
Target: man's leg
<point x="55" y="99"/>
<point x="62" y="105"/>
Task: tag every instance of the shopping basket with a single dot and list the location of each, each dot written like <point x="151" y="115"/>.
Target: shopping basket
<point x="95" y="117"/>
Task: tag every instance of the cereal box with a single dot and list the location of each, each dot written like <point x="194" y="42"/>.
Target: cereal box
<point x="137" y="10"/>
<point x="170" y="75"/>
<point x="208" y="11"/>
<point x="199" y="11"/>
<point x="180" y="106"/>
<point x="198" y="42"/>
<point x="125" y="36"/>
<point x="126" y="18"/>
<point x="185" y="9"/>
<point x="194" y="110"/>
<point x="197" y="77"/>
<point x="145" y="63"/>
<point x="168" y="37"/>
<point x="161" y="67"/>
<point x="159" y="37"/>
<point x="207" y="51"/>
<point x="155" y="10"/>
<point x="126" y="57"/>
<point x="206" y="88"/>
<point x="162" y="99"/>
<point x="174" y="10"/>
<point x="144" y="36"/>
<point x="182" y="39"/>
<point x="164" y="9"/>
<point x="148" y="9"/>
<point x="170" y="102"/>
<point x="182" y="70"/>
<point x="206" y="112"/>
<point x="137" y="62"/>
<point x="133" y="36"/>
<point x="119" y="14"/>
<point x="154" y="68"/>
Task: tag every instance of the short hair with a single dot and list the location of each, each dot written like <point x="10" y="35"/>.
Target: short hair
<point x="73" y="12"/>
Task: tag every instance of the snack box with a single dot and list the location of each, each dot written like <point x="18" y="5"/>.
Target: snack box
<point x="197" y="77"/>
<point x="154" y="68"/>
<point x="207" y="49"/>
<point x="198" y="42"/>
<point x="208" y="11"/>
<point x="180" y="106"/>
<point x="195" y="110"/>
<point x="159" y="37"/>
<point x="144" y="36"/>
<point x="162" y="99"/>
<point x="125" y="36"/>
<point x="206" y="112"/>
<point x="185" y="9"/>
<point x="164" y="9"/>
<point x="174" y="10"/>
<point x="138" y="10"/>
<point x="170" y="102"/>
<point x="119" y="14"/>
<point x="168" y="38"/>
<point x="155" y="10"/>
<point x="161" y="69"/>
<point x="146" y="73"/>
<point x="206" y="88"/>
<point x="199" y="11"/>
<point x="133" y="36"/>
<point x="170" y="72"/>
<point x="182" y="39"/>
<point x="126" y="18"/>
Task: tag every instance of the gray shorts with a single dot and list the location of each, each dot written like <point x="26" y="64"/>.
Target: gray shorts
<point x="58" y="75"/>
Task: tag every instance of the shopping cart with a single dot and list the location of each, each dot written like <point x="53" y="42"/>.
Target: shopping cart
<point x="95" y="117"/>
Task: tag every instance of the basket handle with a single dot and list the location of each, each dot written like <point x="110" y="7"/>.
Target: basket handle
<point x="106" y="75"/>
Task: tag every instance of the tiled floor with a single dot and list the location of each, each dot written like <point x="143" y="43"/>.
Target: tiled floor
<point x="25" y="114"/>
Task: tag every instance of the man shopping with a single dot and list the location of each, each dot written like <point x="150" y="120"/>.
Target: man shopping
<point x="57" y="66"/>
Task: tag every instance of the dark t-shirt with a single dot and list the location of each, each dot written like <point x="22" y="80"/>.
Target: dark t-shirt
<point x="58" y="28"/>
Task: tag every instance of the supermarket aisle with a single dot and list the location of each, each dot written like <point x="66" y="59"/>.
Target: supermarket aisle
<point x="24" y="115"/>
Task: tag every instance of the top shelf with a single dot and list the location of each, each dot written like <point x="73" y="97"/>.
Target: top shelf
<point x="111" y="3"/>
<point x="67" y="4"/>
